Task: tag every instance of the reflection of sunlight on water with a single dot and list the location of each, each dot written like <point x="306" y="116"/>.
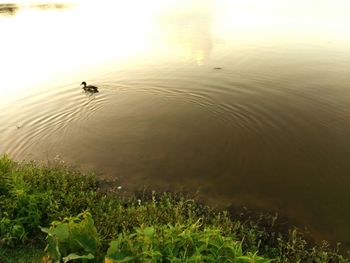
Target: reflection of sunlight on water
<point x="65" y="40"/>
<point x="188" y="27"/>
<point x="285" y="21"/>
<point x="44" y="46"/>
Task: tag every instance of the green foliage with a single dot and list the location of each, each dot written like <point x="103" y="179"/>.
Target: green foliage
<point x="179" y="243"/>
<point x="10" y="230"/>
<point x="114" y="215"/>
<point x="73" y="238"/>
<point x="253" y="258"/>
<point x="22" y="254"/>
<point x="33" y="195"/>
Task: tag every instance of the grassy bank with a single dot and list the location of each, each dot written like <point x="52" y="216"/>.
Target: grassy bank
<point x="58" y="214"/>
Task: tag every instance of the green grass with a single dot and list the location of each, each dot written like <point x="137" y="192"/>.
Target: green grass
<point x="21" y="254"/>
<point x="62" y="209"/>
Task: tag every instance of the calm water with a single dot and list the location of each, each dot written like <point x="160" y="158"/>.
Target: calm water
<point x="269" y="130"/>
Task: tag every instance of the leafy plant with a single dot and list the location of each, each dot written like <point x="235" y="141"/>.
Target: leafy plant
<point x="253" y="258"/>
<point x="179" y="243"/>
<point x="73" y="238"/>
<point x="32" y="194"/>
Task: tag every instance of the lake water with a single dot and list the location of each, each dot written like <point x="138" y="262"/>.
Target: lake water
<point x="247" y="101"/>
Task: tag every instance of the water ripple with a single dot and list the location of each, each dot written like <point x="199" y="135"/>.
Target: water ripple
<point x="43" y="116"/>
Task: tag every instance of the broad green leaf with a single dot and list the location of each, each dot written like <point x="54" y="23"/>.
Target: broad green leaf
<point x="46" y="230"/>
<point x="113" y="247"/>
<point x="121" y="256"/>
<point x="61" y="232"/>
<point x="148" y="231"/>
<point x="86" y="241"/>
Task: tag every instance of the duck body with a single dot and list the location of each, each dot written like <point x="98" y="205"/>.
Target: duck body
<point x="89" y="88"/>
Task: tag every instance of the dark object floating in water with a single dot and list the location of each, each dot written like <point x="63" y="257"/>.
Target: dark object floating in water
<point x="8" y="9"/>
<point x="89" y="88"/>
<point x="217" y="68"/>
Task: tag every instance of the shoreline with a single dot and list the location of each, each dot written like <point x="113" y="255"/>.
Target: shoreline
<point x="36" y="199"/>
<point x="236" y="210"/>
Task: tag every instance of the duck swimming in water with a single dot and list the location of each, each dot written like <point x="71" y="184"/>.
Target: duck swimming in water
<point x="89" y="88"/>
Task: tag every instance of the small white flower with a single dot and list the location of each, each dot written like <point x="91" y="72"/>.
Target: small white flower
<point x="139" y="201"/>
<point x="119" y="187"/>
